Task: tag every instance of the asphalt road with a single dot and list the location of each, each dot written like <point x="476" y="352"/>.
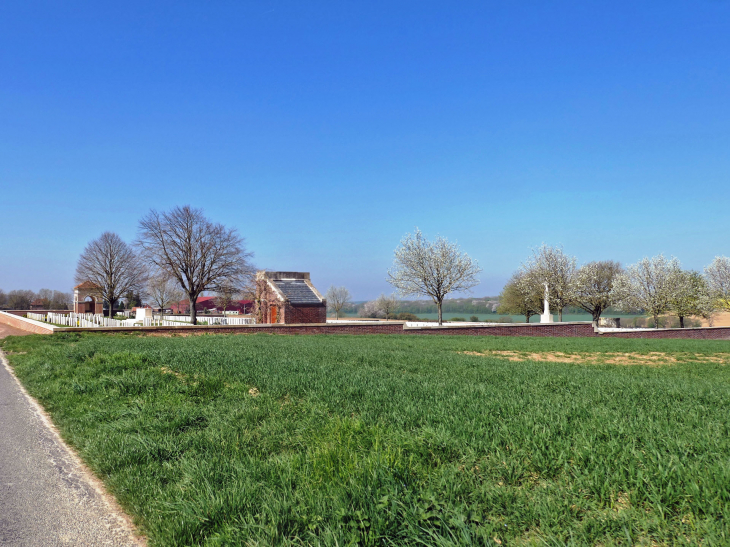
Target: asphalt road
<point x="47" y="498"/>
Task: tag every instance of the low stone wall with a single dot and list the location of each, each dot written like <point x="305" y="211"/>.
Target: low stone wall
<point x="311" y="328"/>
<point x="574" y="329"/>
<point x="14" y="319"/>
<point x="520" y="329"/>
<point x="698" y="333"/>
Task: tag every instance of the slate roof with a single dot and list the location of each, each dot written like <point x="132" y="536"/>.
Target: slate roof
<point x="297" y="291"/>
<point x="87" y="285"/>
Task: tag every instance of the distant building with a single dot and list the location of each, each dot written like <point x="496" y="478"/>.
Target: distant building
<point x="288" y="297"/>
<point x="37" y="304"/>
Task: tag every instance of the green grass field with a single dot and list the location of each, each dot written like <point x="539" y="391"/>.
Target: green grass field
<point x="400" y="440"/>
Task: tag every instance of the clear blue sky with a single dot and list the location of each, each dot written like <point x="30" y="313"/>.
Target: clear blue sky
<point x="325" y="131"/>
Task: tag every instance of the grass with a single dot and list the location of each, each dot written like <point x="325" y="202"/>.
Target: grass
<point x="400" y="440"/>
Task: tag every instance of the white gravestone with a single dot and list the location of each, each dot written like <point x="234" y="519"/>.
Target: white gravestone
<point x="546" y="316"/>
<point x="143" y="313"/>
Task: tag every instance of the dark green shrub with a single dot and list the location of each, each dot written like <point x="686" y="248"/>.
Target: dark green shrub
<point x="405" y="316"/>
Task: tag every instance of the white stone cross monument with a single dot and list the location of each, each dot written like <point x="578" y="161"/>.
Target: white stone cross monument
<point x="546" y="316"/>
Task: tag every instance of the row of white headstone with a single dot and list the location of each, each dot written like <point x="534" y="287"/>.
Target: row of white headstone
<point x="86" y="320"/>
<point x="90" y="320"/>
<point x="177" y="321"/>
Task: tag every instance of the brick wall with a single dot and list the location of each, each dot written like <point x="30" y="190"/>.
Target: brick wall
<point x="14" y="320"/>
<point x="704" y="333"/>
<point x="532" y="329"/>
<point x="264" y="300"/>
<point x="583" y="329"/>
<point x="305" y="314"/>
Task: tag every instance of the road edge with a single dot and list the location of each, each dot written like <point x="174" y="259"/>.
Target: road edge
<point x="124" y="520"/>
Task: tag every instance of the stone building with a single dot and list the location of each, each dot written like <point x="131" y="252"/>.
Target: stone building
<point x="87" y="298"/>
<point x="288" y="297"/>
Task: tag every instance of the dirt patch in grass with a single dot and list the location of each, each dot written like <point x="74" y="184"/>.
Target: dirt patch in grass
<point x="654" y="358"/>
<point x="166" y="370"/>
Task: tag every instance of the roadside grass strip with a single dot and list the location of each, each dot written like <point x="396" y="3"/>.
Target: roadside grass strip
<point x="394" y="440"/>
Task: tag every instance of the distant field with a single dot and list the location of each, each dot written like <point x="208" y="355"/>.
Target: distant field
<point x="377" y="440"/>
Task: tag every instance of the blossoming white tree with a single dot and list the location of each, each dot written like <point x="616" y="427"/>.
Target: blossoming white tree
<point x="718" y="280"/>
<point x="552" y="266"/>
<point x="387" y="304"/>
<point x="592" y="286"/>
<point x="433" y="269"/>
<point x="691" y="296"/>
<point x="648" y="285"/>
<point x="370" y="309"/>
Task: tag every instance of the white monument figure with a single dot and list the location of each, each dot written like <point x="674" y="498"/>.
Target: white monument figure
<point x="546" y="317"/>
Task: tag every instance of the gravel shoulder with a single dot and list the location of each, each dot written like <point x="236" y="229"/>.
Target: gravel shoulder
<point x="47" y="496"/>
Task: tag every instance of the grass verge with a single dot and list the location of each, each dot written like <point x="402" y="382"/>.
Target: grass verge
<point x="377" y="440"/>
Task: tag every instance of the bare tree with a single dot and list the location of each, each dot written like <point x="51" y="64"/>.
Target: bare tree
<point x="113" y="266"/>
<point x="432" y="269"/>
<point x="54" y="300"/>
<point x="521" y="295"/>
<point x="592" y="285"/>
<point x="387" y="304"/>
<point x="3" y="299"/>
<point x="718" y="281"/>
<point x="198" y="254"/>
<point x="647" y="286"/>
<point x="552" y="266"/>
<point x="226" y="294"/>
<point x="337" y="298"/>
<point x="62" y="300"/>
<point x="163" y="291"/>
<point x="45" y="295"/>
<point x="20" y="299"/>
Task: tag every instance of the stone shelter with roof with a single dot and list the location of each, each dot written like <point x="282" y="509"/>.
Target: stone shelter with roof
<point x="88" y="299"/>
<point x="288" y="298"/>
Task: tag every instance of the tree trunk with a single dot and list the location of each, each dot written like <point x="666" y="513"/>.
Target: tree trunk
<point x="441" y="320"/>
<point x="596" y="315"/>
<point x="656" y="321"/>
<point x="527" y="317"/>
<point x="681" y="321"/>
<point x="111" y="309"/>
<point x="193" y="310"/>
<point x="560" y="315"/>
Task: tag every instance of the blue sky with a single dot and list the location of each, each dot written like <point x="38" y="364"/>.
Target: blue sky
<point x="324" y="131"/>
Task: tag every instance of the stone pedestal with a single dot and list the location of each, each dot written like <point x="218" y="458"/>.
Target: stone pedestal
<point x="547" y="318"/>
